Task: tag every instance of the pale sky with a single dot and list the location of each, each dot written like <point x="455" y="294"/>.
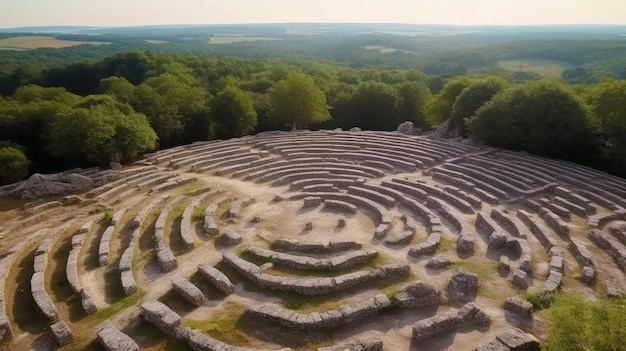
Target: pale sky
<point x="18" y="13"/>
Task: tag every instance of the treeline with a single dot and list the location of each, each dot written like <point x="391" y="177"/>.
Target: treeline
<point x="116" y="109"/>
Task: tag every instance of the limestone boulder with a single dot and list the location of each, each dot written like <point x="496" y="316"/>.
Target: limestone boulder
<point x="408" y="128"/>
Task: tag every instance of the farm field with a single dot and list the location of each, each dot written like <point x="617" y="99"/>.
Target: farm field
<point x="386" y="50"/>
<point x="546" y="68"/>
<point x="37" y="42"/>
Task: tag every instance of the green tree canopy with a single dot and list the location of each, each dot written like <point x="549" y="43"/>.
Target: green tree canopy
<point x="13" y="165"/>
<point x="98" y="131"/>
<point x="298" y="101"/>
<point x="542" y="117"/>
<point x="608" y="103"/>
<point x="413" y="97"/>
<point x="375" y="106"/>
<point x="440" y="106"/>
<point x="473" y="97"/>
<point x="233" y="111"/>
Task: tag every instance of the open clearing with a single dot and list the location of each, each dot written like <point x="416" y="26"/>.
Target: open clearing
<point x="38" y="42"/>
<point x="546" y="68"/>
<point x="306" y="240"/>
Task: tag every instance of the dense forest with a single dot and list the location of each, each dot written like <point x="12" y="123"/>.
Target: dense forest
<point x="66" y="108"/>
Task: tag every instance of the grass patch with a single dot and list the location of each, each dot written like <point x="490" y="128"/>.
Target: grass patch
<point x="446" y="244"/>
<point x="174" y="301"/>
<point x="108" y="312"/>
<point x="198" y="214"/>
<point x="484" y="269"/>
<point x="537" y="300"/>
<point x="228" y="326"/>
<point x="223" y="324"/>
<point x="150" y="337"/>
<point x="107" y="218"/>
<point x="578" y="324"/>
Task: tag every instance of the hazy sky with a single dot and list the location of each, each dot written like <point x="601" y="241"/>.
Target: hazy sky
<point x="15" y="13"/>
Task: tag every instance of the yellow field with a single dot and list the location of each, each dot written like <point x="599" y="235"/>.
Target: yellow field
<point x="36" y="42"/>
<point x="546" y="68"/>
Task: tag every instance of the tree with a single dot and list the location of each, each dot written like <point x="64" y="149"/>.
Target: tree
<point x="413" y="96"/>
<point x="118" y="87"/>
<point x="375" y="106"/>
<point x="609" y="109"/>
<point x="233" y="111"/>
<point x="297" y="100"/>
<point x="440" y="106"/>
<point x="472" y="98"/>
<point x="542" y="117"/>
<point x="99" y="130"/>
<point x="13" y="165"/>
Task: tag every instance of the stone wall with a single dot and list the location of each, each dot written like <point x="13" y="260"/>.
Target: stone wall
<point x="169" y="322"/>
<point x="419" y="294"/>
<point x="275" y="314"/>
<point x="612" y="246"/>
<point x="291" y="244"/>
<point x="467" y="315"/>
<point x="344" y="261"/>
<point x="114" y="340"/>
<point x="217" y="278"/>
<point x="312" y="286"/>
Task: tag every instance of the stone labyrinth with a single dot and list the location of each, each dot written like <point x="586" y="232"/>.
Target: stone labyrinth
<point x="325" y="240"/>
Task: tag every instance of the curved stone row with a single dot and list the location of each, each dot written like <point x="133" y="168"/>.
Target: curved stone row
<point x="291" y="244"/>
<point x="104" y="245"/>
<point x="440" y="207"/>
<point x="380" y="212"/>
<point x="165" y="256"/>
<point x="600" y="220"/>
<point x="372" y="195"/>
<point x="612" y="246"/>
<point x="210" y="225"/>
<point x="186" y="218"/>
<point x="6" y="332"/>
<point x="344" y="314"/>
<point x="344" y="180"/>
<point x="71" y="269"/>
<point x="468" y="315"/>
<point x="455" y="201"/>
<point x="217" y="278"/>
<point x="467" y="183"/>
<point x="339" y="205"/>
<point x="188" y="291"/>
<point x="125" y="265"/>
<point x="202" y="156"/>
<point x="313" y="286"/>
<point x="403" y="237"/>
<point x="344" y="261"/>
<point x="125" y="176"/>
<point x="169" y="322"/>
<point x="418" y="294"/>
<point x="511" y="170"/>
<point x="554" y="221"/>
<point x="237" y="206"/>
<point x="484" y="181"/>
<point x="114" y="340"/>
<point x="497" y="238"/>
<point x="172" y="183"/>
